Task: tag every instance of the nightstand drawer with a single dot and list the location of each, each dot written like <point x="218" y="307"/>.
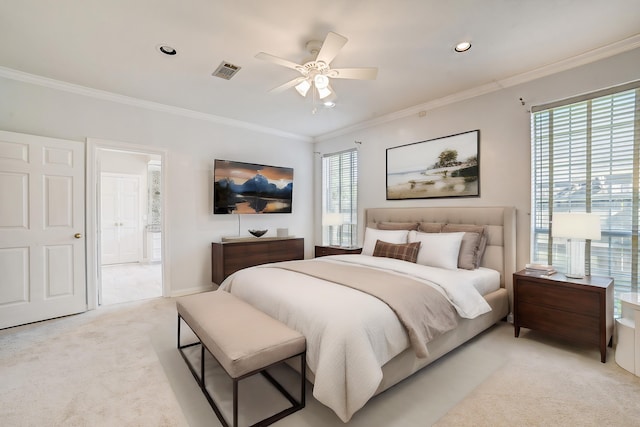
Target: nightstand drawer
<point x="577" y="327"/>
<point x="559" y="297"/>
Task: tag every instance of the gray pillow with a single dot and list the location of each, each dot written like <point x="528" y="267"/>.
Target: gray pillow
<point x="470" y="254"/>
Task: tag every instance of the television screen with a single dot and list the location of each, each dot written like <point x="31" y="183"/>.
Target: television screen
<point x="248" y="188"/>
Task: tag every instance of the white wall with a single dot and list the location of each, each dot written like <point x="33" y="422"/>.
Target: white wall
<point x="191" y="146"/>
<point x="504" y="140"/>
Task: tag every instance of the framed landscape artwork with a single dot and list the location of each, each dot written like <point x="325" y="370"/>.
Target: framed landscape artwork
<point x="442" y="167"/>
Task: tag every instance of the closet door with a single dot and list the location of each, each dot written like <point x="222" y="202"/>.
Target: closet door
<point x="121" y="235"/>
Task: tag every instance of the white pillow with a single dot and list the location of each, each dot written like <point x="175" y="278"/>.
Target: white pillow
<point x="372" y="235"/>
<point x="438" y="249"/>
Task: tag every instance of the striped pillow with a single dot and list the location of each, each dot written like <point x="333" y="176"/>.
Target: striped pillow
<point x="402" y="251"/>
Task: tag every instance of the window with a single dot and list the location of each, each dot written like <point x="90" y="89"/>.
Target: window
<point x="586" y="158"/>
<point x="340" y="198"/>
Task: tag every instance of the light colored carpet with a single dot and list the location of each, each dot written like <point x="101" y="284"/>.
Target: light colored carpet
<point x="546" y="382"/>
<point x="94" y="369"/>
<point x="119" y="366"/>
<point x="130" y="282"/>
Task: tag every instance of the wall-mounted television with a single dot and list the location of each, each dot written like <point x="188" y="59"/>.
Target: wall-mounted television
<point x="249" y="188"/>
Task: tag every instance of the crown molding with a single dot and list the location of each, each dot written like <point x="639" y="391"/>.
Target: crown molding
<point x="622" y="46"/>
<point x="12" y="74"/>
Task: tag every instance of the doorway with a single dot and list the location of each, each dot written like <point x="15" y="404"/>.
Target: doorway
<point x="129" y="222"/>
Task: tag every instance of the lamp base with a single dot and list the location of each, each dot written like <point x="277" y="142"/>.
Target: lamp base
<point x="575" y="259"/>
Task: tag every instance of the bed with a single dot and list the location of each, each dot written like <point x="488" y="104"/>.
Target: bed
<point x="359" y="343"/>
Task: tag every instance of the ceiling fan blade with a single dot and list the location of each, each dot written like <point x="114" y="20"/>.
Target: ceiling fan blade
<point x="287" y="85"/>
<point x="331" y="46"/>
<point x="277" y="60"/>
<point x="354" y="73"/>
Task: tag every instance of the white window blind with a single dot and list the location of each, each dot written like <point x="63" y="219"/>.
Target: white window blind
<point x="586" y="158"/>
<point x="340" y="198"/>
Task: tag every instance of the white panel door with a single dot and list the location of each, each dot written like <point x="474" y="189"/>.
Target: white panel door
<point x="109" y="253"/>
<point x="42" y="225"/>
<point x="120" y="218"/>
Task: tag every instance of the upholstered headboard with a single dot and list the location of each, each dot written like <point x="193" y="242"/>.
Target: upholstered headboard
<point x="499" y="222"/>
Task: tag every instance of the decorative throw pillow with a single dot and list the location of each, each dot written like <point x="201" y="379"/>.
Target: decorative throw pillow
<point x="404" y="252"/>
<point x="469" y="256"/>
<point x="372" y="235"/>
<point x="438" y="249"/>
<point x="430" y="227"/>
<point x="481" y="248"/>
<point x="469" y="251"/>
<point x="397" y="225"/>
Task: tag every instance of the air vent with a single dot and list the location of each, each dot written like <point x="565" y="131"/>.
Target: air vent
<point x="226" y="70"/>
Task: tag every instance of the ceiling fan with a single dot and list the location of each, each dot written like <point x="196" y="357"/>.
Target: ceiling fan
<point x="316" y="71"/>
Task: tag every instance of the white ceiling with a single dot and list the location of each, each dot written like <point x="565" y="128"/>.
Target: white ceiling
<point x="111" y="46"/>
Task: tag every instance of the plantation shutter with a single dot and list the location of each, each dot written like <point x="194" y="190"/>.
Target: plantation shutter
<point x="586" y="158"/>
<point x="340" y="196"/>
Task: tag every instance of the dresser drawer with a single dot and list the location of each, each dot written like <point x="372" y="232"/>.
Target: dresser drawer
<point x="559" y="297"/>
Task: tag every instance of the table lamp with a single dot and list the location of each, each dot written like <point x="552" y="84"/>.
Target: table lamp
<point x="333" y="220"/>
<point x="576" y="227"/>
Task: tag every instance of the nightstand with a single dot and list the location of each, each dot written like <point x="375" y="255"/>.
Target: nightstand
<point x="335" y="250"/>
<point x="579" y="310"/>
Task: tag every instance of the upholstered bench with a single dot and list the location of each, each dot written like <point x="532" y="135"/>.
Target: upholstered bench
<point x="244" y="341"/>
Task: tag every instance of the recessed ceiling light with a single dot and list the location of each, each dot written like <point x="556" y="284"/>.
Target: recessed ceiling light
<point x="463" y="47"/>
<point x="167" y="50"/>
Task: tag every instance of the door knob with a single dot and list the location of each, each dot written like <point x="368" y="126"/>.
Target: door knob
<point x="77" y="235"/>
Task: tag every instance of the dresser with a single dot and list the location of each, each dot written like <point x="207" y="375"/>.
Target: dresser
<point x="579" y="310"/>
<point x="229" y="257"/>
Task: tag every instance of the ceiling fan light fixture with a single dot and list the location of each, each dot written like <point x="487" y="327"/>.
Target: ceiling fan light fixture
<point x="321" y="81"/>
<point x="303" y="87"/>
<point x="324" y="92"/>
<point x="462" y="47"/>
<point x="316" y="72"/>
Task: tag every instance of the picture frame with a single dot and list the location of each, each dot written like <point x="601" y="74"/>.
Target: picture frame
<point x="448" y="166"/>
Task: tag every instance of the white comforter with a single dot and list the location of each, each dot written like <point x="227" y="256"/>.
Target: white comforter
<point x="350" y="335"/>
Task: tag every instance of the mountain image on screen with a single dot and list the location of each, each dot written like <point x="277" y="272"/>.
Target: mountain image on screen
<point x="257" y="194"/>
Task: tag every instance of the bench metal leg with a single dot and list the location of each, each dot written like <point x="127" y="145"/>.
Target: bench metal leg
<point x="200" y="379"/>
<point x="235" y="402"/>
<point x="296" y="405"/>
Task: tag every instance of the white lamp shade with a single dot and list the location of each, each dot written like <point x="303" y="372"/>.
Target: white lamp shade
<point x="576" y="225"/>
<point x="332" y="219"/>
